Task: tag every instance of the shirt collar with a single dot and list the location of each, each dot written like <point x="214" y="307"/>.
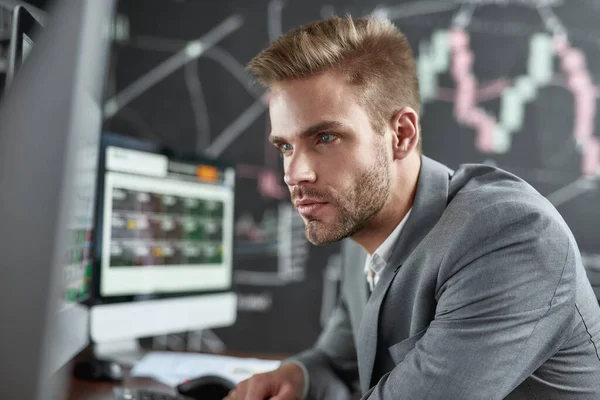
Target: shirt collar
<point x="381" y="256"/>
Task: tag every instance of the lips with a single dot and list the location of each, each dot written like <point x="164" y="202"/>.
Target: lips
<point x="307" y="207"/>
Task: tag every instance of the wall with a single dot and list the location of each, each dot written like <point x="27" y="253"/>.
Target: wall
<point x="499" y="85"/>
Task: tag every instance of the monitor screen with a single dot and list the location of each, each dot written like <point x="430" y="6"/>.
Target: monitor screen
<point x="78" y="263"/>
<point x="166" y="222"/>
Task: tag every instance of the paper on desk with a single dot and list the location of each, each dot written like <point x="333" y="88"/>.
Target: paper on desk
<point x="172" y="368"/>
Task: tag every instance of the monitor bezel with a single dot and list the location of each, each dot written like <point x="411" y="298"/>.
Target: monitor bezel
<point x="118" y="140"/>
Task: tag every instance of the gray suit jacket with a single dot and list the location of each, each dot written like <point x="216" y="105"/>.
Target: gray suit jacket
<point x="485" y="297"/>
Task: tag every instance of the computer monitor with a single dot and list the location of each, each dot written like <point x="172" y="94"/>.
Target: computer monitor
<point x="163" y="243"/>
<point x="50" y="121"/>
<point x="25" y="28"/>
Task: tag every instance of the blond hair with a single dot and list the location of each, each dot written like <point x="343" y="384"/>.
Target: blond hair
<point x="372" y="54"/>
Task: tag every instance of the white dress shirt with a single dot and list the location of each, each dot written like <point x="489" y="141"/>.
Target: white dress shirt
<point x="377" y="261"/>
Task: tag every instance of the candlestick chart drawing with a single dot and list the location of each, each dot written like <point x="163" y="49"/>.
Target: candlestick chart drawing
<point x="524" y="94"/>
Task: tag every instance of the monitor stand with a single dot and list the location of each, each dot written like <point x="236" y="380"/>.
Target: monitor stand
<point x="125" y="352"/>
<point x="108" y="361"/>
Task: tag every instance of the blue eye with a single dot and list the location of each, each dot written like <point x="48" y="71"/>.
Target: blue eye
<point x="326" y="137"/>
<point x="285" y="147"/>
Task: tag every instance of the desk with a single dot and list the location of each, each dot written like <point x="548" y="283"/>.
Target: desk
<point x="86" y="390"/>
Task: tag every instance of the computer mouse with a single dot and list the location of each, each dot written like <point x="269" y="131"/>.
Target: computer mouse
<point x="206" y="387"/>
<point x="98" y="370"/>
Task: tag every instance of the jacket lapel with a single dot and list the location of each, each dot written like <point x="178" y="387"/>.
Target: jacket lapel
<point x="354" y="258"/>
<point x="430" y="202"/>
<point x="367" y="333"/>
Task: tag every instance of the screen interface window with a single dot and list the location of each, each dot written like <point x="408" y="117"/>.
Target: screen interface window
<point x="167" y="225"/>
<point x="78" y="268"/>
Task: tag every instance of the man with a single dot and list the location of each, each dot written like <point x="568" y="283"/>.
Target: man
<point x="474" y="286"/>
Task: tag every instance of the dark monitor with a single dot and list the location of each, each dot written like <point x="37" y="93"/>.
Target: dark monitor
<point x="25" y="29"/>
<point x="50" y="121"/>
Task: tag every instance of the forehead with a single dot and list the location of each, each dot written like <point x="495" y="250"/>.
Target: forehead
<point x="298" y="104"/>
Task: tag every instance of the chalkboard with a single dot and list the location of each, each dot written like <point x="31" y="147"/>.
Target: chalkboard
<point x="512" y="83"/>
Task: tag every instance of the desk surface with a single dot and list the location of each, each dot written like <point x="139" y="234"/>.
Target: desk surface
<point x="84" y="390"/>
<point x="87" y="390"/>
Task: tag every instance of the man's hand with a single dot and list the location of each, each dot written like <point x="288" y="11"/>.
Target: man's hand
<point x="285" y="383"/>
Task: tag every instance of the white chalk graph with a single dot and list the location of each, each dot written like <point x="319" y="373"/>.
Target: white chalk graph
<point x="553" y="60"/>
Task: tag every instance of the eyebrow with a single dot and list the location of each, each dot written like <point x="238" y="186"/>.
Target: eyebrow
<point x="313" y="130"/>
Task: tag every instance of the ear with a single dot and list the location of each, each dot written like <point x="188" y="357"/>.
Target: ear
<point x="405" y="124"/>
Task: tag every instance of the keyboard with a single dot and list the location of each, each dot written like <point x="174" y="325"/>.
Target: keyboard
<point x="142" y="394"/>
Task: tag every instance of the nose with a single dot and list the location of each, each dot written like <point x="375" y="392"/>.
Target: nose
<point x="298" y="169"/>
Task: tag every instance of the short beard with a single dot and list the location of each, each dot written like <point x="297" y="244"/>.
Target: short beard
<point x="356" y="208"/>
